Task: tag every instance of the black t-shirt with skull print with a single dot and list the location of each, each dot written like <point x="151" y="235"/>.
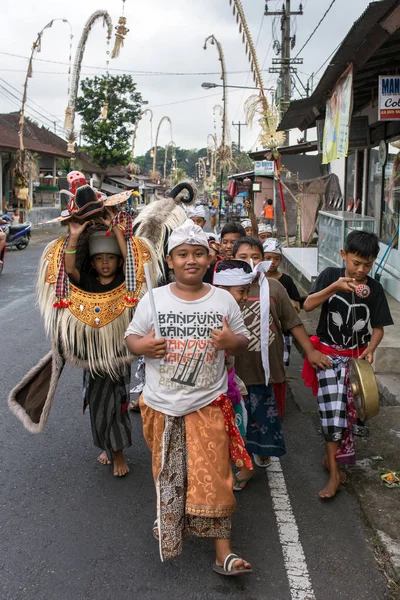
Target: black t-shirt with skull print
<point x="347" y="320"/>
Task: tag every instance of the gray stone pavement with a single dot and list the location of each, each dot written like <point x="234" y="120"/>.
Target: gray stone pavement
<point x="70" y="531"/>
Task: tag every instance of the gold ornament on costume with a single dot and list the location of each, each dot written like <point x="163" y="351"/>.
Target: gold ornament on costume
<point x="98" y="310"/>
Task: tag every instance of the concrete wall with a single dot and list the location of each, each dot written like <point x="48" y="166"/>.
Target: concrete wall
<point x="42" y="214"/>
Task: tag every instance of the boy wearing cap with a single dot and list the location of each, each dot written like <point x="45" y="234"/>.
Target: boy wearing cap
<point x="197" y="215"/>
<point x="188" y="421"/>
<point x="264" y="232"/>
<point x="268" y="311"/>
<point x="235" y="276"/>
<point x="273" y="253"/>
<point x="107" y="396"/>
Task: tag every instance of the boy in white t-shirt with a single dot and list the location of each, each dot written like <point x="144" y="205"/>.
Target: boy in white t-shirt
<point x="188" y="421"/>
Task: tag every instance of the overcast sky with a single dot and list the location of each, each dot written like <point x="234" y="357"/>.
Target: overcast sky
<point x="166" y="36"/>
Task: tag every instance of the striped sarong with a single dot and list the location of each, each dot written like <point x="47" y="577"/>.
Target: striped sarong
<point x="108" y="401"/>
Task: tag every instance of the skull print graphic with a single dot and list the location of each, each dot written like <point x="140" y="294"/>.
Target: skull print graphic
<point x="348" y="324"/>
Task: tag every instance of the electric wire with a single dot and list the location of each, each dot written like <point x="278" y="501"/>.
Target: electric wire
<point x="137" y="73"/>
<point x="30" y="101"/>
<point x="315" y="29"/>
<point x="30" y="108"/>
<point x="324" y="63"/>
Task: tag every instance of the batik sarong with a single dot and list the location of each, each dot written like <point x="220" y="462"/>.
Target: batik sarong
<point x="108" y="400"/>
<point x="264" y="431"/>
<point x="339" y="421"/>
<point x="191" y="463"/>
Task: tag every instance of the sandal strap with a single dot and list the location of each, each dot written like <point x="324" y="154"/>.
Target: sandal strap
<point x="229" y="560"/>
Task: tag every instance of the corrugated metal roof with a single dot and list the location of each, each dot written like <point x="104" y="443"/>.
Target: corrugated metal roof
<point x="110" y="189"/>
<point x="369" y="47"/>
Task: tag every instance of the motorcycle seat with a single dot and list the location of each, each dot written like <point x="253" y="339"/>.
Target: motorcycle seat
<point x="15" y="227"/>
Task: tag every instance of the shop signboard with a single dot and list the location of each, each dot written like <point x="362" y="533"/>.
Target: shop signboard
<point x="389" y="98"/>
<point x="264" y="168"/>
<point x="337" y="119"/>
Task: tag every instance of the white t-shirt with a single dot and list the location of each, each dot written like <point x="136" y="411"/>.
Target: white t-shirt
<point x="192" y="373"/>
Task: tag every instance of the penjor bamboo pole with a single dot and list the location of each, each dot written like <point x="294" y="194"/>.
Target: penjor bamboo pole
<point x="282" y="197"/>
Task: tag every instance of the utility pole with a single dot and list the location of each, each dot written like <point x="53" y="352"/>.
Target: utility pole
<point x="239" y="126"/>
<point x="284" y="48"/>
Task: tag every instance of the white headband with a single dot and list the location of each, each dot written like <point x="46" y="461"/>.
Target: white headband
<point x="264" y="228"/>
<point x="188" y="233"/>
<point x="246" y="223"/>
<point x="196" y="211"/>
<point x="236" y="276"/>
<point x="272" y="245"/>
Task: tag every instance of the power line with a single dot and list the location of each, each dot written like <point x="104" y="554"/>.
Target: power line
<point x="4" y="93"/>
<point x="319" y="23"/>
<point x="137" y="73"/>
<point x="187" y="100"/>
<point x="32" y="102"/>
<point x="324" y="63"/>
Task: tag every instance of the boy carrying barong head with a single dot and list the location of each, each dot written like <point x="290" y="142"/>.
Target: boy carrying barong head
<point x="188" y="421"/>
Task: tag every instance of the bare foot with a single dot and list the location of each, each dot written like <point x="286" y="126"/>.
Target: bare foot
<point x="103" y="459"/>
<point x="331" y="487"/>
<point x="120" y="465"/>
<point x="343" y="476"/>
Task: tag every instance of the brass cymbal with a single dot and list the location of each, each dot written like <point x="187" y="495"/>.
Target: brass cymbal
<point x="364" y="388"/>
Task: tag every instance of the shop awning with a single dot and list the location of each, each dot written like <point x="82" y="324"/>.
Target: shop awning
<point x="372" y="45"/>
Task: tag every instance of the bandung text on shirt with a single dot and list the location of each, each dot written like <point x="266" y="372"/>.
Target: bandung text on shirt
<point x="192" y="358"/>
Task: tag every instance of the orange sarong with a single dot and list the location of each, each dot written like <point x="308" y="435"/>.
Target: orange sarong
<point x="209" y="473"/>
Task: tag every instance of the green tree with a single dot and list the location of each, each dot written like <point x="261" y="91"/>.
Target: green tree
<point x="109" y="141"/>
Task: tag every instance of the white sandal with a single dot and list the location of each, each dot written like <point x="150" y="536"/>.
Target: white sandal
<point x="227" y="568"/>
<point x="260" y="464"/>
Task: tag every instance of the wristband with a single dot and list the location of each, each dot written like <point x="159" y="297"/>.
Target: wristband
<point x="70" y="252"/>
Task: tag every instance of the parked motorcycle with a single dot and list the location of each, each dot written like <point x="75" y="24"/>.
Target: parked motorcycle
<point x="18" y="234"/>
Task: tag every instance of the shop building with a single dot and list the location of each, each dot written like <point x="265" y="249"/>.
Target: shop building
<point x="370" y="173"/>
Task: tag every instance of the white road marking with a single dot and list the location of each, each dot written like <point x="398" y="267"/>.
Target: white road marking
<point x="293" y="554"/>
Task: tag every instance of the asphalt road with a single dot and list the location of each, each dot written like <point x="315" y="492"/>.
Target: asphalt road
<point x="69" y="530"/>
